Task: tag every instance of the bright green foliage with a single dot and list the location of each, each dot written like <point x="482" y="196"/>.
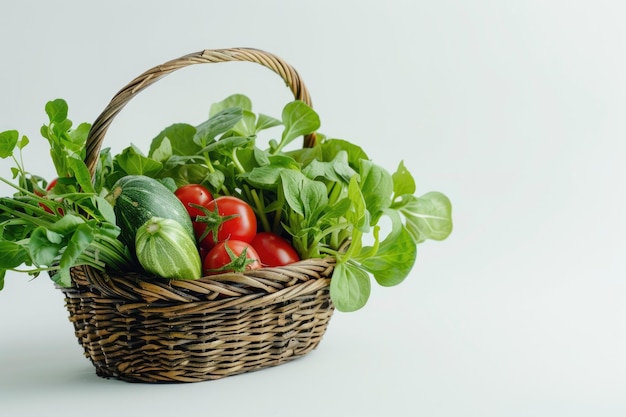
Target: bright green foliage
<point x="328" y="199"/>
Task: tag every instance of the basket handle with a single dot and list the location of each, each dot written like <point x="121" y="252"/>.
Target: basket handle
<point x="208" y="56"/>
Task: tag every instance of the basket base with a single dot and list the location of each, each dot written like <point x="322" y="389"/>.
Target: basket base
<point x="160" y="343"/>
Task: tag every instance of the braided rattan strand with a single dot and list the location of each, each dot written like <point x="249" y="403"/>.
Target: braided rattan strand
<point x="170" y="341"/>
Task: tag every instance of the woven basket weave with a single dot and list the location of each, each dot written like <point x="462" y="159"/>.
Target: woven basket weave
<point x="138" y="329"/>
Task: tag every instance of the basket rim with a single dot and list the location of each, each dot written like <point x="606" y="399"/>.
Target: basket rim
<point x="138" y="287"/>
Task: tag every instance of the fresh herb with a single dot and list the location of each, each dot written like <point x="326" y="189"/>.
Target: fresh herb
<point x="66" y="226"/>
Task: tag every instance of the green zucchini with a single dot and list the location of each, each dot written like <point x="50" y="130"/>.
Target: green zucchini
<point x="165" y="249"/>
<point x="138" y="198"/>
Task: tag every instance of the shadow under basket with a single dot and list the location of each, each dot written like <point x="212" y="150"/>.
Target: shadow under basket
<point x="140" y="330"/>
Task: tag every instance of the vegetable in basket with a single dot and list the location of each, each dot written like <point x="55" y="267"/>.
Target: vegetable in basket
<point x="326" y="200"/>
<point x="136" y="199"/>
<point x="165" y="248"/>
<point x="66" y="225"/>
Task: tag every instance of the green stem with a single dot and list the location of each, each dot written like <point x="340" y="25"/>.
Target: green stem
<point x="112" y="255"/>
<point x="259" y="206"/>
<point x="328" y="251"/>
<point x="252" y="194"/>
<point x="207" y="161"/>
<point x="335" y="193"/>
<point x="38" y="220"/>
<point x="336" y="229"/>
<point x="22" y="176"/>
<point x="277" y="217"/>
<point x="233" y="157"/>
<point x="34" y="270"/>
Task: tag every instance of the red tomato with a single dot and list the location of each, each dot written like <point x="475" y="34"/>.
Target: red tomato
<point x="274" y="250"/>
<point x="51" y="184"/>
<point x="218" y="259"/>
<point x="49" y="187"/>
<point x="194" y="194"/>
<point x="242" y="226"/>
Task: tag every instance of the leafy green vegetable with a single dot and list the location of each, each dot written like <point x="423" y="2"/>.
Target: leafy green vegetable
<point x="298" y="119"/>
<point x="8" y="141"/>
<point x="328" y="200"/>
<point x="350" y="287"/>
<point x="68" y="226"/>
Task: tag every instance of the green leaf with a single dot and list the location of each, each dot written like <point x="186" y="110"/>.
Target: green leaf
<point x="81" y="173"/>
<point x="45" y="246"/>
<point x="218" y="123"/>
<point x="58" y="156"/>
<point x="314" y="199"/>
<point x="11" y="231"/>
<point x="337" y="170"/>
<point x="428" y="216"/>
<point x="262" y="157"/>
<point x="62" y="128"/>
<point x="350" y="287"/>
<point x="214" y="179"/>
<point x="235" y="100"/>
<point x="357" y="215"/>
<point x="306" y="197"/>
<point x="169" y="183"/>
<point x="306" y="155"/>
<point x="66" y="224"/>
<point x="376" y="186"/>
<point x="12" y="254"/>
<point x="105" y="209"/>
<point x="79" y="135"/>
<point x="331" y="147"/>
<point x="181" y="137"/>
<point x="184" y="173"/>
<point x="110" y="230"/>
<point x="134" y="163"/>
<point x="403" y="181"/>
<point x="21" y="144"/>
<point x="292" y="185"/>
<point x="8" y="140"/>
<point x="266" y="122"/>
<point x="225" y="146"/>
<point x="355" y="247"/>
<point x="339" y="209"/>
<point x="104" y="170"/>
<point x="268" y="176"/>
<point x="3" y="273"/>
<point x="62" y="277"/>
<point x="395" y="256"/>
<point x="299" y="119"/>
<point x="247" y="124"/>
<point x="163" y="152"/>
<point x="283" y="161"/>
<point x="57" y="110"/>
<point x="82" y="237"/>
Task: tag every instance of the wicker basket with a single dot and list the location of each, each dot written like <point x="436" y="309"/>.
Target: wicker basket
<point x="143" y="330"/>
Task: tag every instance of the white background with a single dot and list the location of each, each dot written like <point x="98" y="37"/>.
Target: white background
<point x="514" y="109"/>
